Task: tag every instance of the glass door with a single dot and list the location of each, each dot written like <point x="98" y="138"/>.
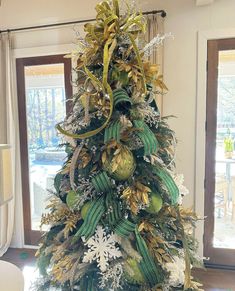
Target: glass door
<point x="219" y="233"/>
<point x="43" y="87"/>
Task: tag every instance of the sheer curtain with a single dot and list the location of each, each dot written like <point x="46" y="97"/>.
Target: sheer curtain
<point x="9" y="135"/>
<point x="155" y="26"/>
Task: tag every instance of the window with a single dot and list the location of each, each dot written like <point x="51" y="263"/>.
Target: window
<point x="219" y="232"/>
<point x="43" y="91"/>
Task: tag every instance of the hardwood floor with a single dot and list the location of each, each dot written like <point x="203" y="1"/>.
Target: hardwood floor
<point x="216" y="280"/>
<point x="20" y="257"/>
<point x="213" y="280"/>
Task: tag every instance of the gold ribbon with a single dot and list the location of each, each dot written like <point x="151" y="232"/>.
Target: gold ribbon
<point x="73" y="165"/>
<point x="108" y="51"/>
<point x="134" y="20"/>
<point x="107" y="20"/>
<point x="96" y="82"/>
<point x="107" y="57"/>
<point x="116" y="7"/>
<point x="140" y="63"/>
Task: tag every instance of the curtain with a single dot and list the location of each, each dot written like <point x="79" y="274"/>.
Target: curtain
<point x="155" y="26"/>
<point x="8" y="134"/>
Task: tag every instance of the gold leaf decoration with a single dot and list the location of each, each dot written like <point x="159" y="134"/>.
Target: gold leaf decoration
<point x="84" y="158"/>
<point x="60" y="214"/>
<point x="136" y="196"/>
<point x="157" y="245"/>
<point x="118" y="161"/>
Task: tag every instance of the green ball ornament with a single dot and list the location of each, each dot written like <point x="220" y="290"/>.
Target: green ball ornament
<point x="155" y="204"/>
<point x="137" y="276"/>
<point x="72" y="199"/>
<point x="125" y="166"/>
<point x="92" y="102"/>
<point x="85" y="209"/>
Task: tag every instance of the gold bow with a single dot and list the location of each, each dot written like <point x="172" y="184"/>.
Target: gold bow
<point x="103" y="35"/>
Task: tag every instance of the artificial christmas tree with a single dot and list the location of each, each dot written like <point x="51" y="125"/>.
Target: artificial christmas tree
<point x="116" y="220"/>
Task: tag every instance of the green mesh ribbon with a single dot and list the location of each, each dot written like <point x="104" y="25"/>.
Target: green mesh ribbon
<point x="101" y="182"/>
<point x="114" y="215"/>
<point x="147" y="137"/>
<point x="120" y="97"/>
<point x="169" y="183"/>
<point x="125" y="228"/>
<point x="113" y="131"/>
<point x="147" y="264"/>
<point x="93" y="217"/>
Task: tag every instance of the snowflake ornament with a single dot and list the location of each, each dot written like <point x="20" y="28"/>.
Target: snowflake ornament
<point x="101" y="248"/>
<point x="176" y="271"/>
<point x="183" y="191"/>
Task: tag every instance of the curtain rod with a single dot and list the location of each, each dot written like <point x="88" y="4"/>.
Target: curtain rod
<point x="161" y="12"/>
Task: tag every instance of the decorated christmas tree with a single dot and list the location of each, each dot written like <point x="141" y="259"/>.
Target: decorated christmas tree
<point x="115" y="218"/>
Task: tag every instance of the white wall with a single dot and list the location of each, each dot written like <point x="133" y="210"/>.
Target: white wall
<point x="25" y="12"/>
<point x="184" y="20"/>
<point x="186" y="79"/>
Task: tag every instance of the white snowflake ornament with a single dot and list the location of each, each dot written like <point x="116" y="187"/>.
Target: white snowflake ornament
<point x="101" y="248"/>
<point x="179" y="181"/>
<point x="176" y="271"/>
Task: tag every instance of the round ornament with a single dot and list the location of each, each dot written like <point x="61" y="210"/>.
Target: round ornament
<point x="136" y="276"/>
<point x="85" y="209"/>
<point x="155" y="204"/>
<point x="92" y="101"/>
<point x="120" y="166"/>
<point x="72" y="199"/>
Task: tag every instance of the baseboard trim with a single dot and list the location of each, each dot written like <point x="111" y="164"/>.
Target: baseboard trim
<point x="218" y="266"/>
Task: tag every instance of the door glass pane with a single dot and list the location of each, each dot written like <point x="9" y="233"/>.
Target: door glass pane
<point x="45" y="106"/>
<point x="224" y="232"/>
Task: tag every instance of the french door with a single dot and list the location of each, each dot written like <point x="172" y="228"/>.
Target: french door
<point x="219" y="232"/>
<point x="44" y="86"/>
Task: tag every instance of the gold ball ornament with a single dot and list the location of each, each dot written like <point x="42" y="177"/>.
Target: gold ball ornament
<point x="92" y="101"/>
<point x="121" y="167"/>
<point x="133" y="273"/>
<point x="155" y="204"/>
<point x="85" y="208"/>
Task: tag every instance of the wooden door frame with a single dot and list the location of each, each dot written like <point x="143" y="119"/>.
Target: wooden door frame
<point x="31" y="237"/>
<point x="220" y="257"/>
